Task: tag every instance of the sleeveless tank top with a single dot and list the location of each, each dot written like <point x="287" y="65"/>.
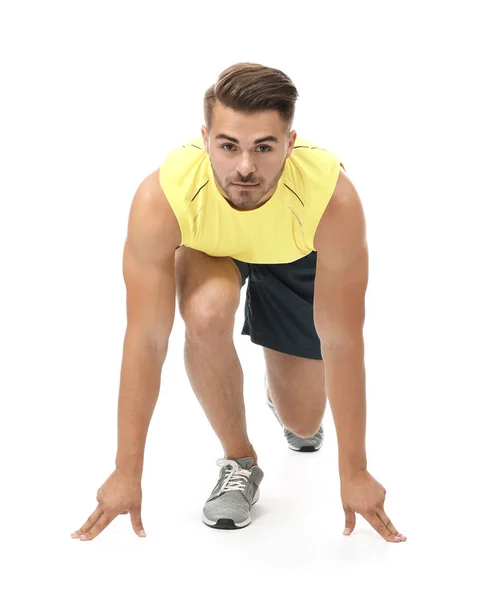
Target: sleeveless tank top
<point x="279" y="231"/>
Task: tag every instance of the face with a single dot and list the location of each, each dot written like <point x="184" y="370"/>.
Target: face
<point x="249" y="149"/>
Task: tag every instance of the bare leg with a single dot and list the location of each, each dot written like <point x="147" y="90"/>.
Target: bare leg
<point x="208" y="291"/>
<point x="296" y="387"/>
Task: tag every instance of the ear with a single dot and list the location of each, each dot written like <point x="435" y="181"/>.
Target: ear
<point x="291" y="143"/>
<point x="205" y="137"/>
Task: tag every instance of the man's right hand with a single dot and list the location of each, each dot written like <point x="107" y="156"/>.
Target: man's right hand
<point x="120" y="494"/>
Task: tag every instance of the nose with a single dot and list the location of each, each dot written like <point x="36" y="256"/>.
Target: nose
<point x="245" y="166"/>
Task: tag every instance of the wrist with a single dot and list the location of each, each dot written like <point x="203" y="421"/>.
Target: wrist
<point x="351" y="468"/>
<point x="132" y="465"/>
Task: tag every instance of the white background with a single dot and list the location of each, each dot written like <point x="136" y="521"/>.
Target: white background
<point x="94" y="96"/>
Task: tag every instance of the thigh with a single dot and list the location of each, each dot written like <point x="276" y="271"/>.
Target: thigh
<point x="205" y="285"/>
<point x="296" y="386"/>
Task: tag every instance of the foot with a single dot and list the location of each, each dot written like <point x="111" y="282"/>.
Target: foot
<point x="237" y="489"/>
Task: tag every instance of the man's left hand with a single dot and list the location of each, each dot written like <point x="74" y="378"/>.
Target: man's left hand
<point x="363" y="494"/>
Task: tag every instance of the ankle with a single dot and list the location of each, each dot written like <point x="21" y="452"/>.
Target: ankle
<point x="242" y="453"/>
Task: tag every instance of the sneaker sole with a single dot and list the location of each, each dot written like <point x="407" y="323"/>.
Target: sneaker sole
<point x="305" y="448"/>
<point x="229" y="523"/>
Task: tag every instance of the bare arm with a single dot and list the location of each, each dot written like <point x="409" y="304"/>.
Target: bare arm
<point x="148" y="271"/>
<point x="339" y="312"/>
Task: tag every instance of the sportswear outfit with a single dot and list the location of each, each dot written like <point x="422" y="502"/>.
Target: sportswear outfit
<point x="273" y="248"/>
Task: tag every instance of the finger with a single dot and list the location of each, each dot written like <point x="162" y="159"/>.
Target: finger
<point x="387" y="523"/>
<point x="379" y="526"/>
<point x="136" y="523"/>
<point x="89" y="523"/>
<point x="104" y="520"/>
<point x="349" y="521"/>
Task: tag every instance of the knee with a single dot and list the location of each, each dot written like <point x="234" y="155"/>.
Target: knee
<point x="208" y="317"/>
<point x="302" y="429"/>
<point x="302" y="425"/>
<point x="291" y="416"/>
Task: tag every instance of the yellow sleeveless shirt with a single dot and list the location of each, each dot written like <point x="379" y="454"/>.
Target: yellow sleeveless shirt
<point x="279" y="231"/>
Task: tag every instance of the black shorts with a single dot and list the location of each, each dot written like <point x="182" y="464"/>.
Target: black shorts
<point x="278" y="313"/>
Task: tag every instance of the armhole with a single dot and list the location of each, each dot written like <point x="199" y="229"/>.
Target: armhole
<point x="176" y="209"/>
<point x="321" y="207"/>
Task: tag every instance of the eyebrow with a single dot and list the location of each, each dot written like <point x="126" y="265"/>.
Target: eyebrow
<point x="268" y="138"/>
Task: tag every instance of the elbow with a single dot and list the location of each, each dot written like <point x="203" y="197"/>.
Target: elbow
<point x="341" y="342"/>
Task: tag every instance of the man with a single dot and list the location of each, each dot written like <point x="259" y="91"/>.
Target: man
<point x="247" y="200"/>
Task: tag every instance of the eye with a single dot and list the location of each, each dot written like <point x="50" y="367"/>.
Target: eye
<point x="266" y="148"/>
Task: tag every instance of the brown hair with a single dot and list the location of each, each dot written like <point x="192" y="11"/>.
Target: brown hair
<point x="250" y="87"/>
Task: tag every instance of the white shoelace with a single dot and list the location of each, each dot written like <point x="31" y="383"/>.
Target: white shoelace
<point x="236" y="477"/>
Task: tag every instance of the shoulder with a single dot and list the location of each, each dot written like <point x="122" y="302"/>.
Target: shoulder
<point x="341" y="233"/>
<point x="311" y="155"/>
<point x="184" y="157"/>
<point x="151" y="221"/>
<point x="313" y="170"/>
<point x="183" y="170"/>
<point x="345" y="193"/>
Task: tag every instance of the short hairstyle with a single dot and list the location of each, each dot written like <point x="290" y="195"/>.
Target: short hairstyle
<point x="250" y="87"/>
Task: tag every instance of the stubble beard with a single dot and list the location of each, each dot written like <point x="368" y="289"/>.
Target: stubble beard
<point x="246" y="200"/>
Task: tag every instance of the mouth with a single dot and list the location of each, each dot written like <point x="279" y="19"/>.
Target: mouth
<point x="246" y="185"/>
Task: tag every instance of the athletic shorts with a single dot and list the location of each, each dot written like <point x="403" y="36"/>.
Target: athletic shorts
<point x="278" y="312"/>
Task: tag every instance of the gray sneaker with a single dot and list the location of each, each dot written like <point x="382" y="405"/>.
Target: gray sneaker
<point x="299" y="444"/>
<point x="237" y="489"/>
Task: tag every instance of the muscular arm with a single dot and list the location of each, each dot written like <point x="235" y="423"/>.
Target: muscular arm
<point x="339" y="312"/>
<point x="148" y="271"/>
